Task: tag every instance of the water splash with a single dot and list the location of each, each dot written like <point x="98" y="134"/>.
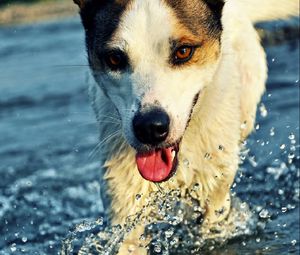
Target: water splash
<point x="176" y="228"/>
<point x="263" y="110"/>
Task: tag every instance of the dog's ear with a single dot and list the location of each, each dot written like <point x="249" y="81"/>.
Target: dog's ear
<point x="80" y="3"/>
<point x="216" y="6"/>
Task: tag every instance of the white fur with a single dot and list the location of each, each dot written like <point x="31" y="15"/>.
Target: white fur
<point x="263" y="10"/>
<point x="153" y="81"/>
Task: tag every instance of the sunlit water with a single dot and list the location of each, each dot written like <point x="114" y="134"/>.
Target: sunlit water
<point x="50" y="194"/>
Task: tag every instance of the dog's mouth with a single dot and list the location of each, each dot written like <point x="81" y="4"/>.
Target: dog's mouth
<point x="157" y="165"/>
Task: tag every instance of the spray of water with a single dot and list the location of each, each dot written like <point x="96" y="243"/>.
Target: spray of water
<point x="175" y="226"/>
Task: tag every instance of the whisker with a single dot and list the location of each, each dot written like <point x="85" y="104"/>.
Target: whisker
<point x="84" y="124"/>
<point x="97" y="148"/>
<point x="101" y="143"/>
<point x="110" y="117"/>
<point x="110" y="122"/>
<point x="70" y="66"/>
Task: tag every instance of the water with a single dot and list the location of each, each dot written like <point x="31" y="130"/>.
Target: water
<point x="175" y="229"/>
<point x="49" y="188"/>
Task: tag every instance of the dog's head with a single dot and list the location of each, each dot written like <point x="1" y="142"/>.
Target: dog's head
<point x="152" y="58"/>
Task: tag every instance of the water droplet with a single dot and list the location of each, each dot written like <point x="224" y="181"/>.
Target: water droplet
<point x="257" y="127"/>
<point x="211" y="248"/>
<point x="282" y="146"/>
<point x="157" y="248"/>
<point x="294" y="242"/>
<point x="284" y="209"/>
<point x="220" y="212"/>
<point x="138" y="196"/>
<point x="99" y="222"/>
<point x="243" y="205"/>
<point x="280" y="192"/>
<point x="207" y="156"/>
<point x="186" y="163"/>
<point x="257" y="239"/>
<point x="130" y="249"/>
<point x="263" y="111"/>
<point x="13" y="247"/>
<point x="264" y="214"/>
<point x="291" y="155"/>
<point x="196" y="187"/>
<point x="244" y="143"/>
<point x="273" y="60"/>
<point x="242" y="158"/>
<point x="292" y="136"/>
<point x="244" y="125"/>
<point x="24" y="239"/>
<point x="174" y="241"/>
<point x="252" y="161"/>
<point x="221" y="148"/>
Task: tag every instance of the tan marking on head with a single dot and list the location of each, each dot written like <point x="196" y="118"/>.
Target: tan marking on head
<point x="209" y="50"/>
<point x="81" y="3"/>
<point x="196" y="14"/>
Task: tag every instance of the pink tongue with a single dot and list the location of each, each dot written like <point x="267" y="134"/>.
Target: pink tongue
<point x="155" y="166"/>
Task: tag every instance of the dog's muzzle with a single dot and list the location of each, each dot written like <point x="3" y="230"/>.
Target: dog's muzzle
<point x="151" y="127"/>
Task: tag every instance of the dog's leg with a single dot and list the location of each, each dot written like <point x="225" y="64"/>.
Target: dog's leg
<point x="251" y="67"/>
<point x="218" y="208"/>
<point x="133" y="245"/>
<point x="124" y="184"/>
<point x="253" y="74"/>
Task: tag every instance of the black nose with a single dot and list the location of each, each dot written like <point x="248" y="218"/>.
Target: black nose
<point x="151" y="127"/>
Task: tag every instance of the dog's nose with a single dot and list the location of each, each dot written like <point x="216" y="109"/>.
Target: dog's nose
<point x="151" y="127"/>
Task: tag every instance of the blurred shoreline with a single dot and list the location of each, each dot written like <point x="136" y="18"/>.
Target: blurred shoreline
<point x="17" y="13"/>
<point x="21" y="13"/>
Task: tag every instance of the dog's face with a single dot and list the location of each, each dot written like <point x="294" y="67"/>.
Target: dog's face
<point x="152" y="58"/>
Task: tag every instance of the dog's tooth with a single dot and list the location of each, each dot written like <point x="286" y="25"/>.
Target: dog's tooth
<point x="173" y="154"/>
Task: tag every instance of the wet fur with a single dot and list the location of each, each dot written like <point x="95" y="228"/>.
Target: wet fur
<point x="222" y="117"/>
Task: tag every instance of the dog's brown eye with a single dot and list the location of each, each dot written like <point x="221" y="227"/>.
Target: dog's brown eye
<point x="116" y="60"/>
<point x="183" y="54"/>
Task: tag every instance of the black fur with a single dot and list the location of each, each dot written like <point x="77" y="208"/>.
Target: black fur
<point x="199" y="13"/>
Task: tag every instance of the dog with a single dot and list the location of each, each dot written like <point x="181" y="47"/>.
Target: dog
<point x="176" y="81"/>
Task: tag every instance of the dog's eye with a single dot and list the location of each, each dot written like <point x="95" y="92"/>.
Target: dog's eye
<point x="116" y="60"/>
<point x="183" y="54"/>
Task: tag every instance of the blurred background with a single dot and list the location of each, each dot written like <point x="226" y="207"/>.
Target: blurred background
<point x="48" y="165"/>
